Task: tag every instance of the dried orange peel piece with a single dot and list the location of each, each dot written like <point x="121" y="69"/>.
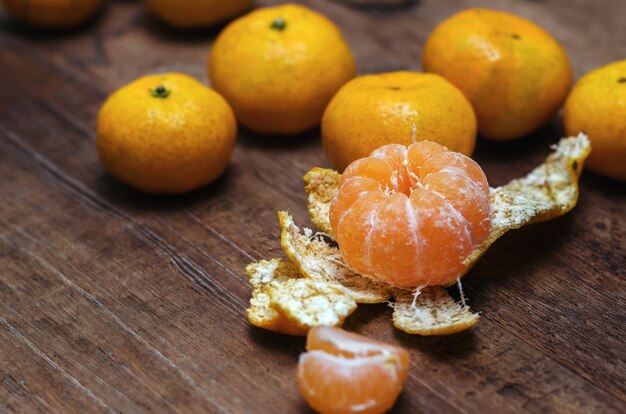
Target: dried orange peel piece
<point x="311" y="303"/>
<point x="432" y="312"/>
<point x="260" y="312"/>
<point x="318" y="260"/>
<point x="547" y="192"/>
<point x="321" y="185"/>
<point x="282" y="301"/>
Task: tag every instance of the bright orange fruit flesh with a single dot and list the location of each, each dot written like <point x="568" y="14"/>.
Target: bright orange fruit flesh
<point x="343" y="372"/>
<point x="409" y="216"/>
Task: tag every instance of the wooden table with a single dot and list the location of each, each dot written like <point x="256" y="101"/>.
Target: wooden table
<point x="115" y="301"/>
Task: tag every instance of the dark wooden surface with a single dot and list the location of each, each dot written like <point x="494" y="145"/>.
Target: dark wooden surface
<point x="114" y="301"/>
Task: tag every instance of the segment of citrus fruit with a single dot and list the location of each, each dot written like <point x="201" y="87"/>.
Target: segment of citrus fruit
<point x="549" y="191"/>
<point x="317" y="260"/>
<point x="409" y="216"/>
<point x="431" y="312"/>
<point x="343" y="372"/>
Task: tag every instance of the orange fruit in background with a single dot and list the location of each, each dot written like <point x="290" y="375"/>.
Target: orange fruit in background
<point x="52" y="14"/>
<point x="398" y="107"/>
<point x="597" y="107"/>
<point x="166" y="133"/>
<point x="187" y="14"/>
<point x="343" y="372"/>
<point x="515" y="74"/>
<point x="279" y="67"/>
<point x="409" y="217"/>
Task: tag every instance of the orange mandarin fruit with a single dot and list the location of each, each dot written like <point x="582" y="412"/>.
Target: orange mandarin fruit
<point x="409" y="216"/>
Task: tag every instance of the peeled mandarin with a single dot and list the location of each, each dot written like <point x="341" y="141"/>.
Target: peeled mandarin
<point x="410" y="216"/>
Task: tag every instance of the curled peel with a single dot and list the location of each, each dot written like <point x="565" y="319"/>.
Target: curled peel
<point x="321" y="185"/>
<point x="432" y="312"/>
<point x="547" y="192"/>
<point x="318" y="260"/>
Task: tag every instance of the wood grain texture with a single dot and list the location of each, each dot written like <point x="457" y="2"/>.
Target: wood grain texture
<point x="114" y="301"/>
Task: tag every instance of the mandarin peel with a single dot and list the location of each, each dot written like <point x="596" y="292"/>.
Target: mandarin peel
<point x="311" y="302"/>
<point x="321" y="186"/>
<point x="260" y="312"/>
<point x="283" y="301"/>
<point x="318" y="260"/>
<point x="431" y="312"/>
<point x="549" y="191"/>
<point x="315" y="287"/>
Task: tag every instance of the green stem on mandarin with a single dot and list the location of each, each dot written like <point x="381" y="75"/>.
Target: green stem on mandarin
<point x="279" y="24"/>
<point x="160" y="92"/>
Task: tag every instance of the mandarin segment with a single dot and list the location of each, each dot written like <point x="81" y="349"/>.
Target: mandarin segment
<point x="445" y="239"/>
<point x="343" y="372"/>
<point x="338" y="341"/>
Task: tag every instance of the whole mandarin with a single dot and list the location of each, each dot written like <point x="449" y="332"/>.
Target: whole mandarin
<point x="52" y="14"/>
<point x="189" y="14"/>
<point x="396" y="108"/>
<point x="515" y="74"/>
<point x="166" y="134"/>
<point x="597" y="107"/>
<point x="279" y="67"/>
